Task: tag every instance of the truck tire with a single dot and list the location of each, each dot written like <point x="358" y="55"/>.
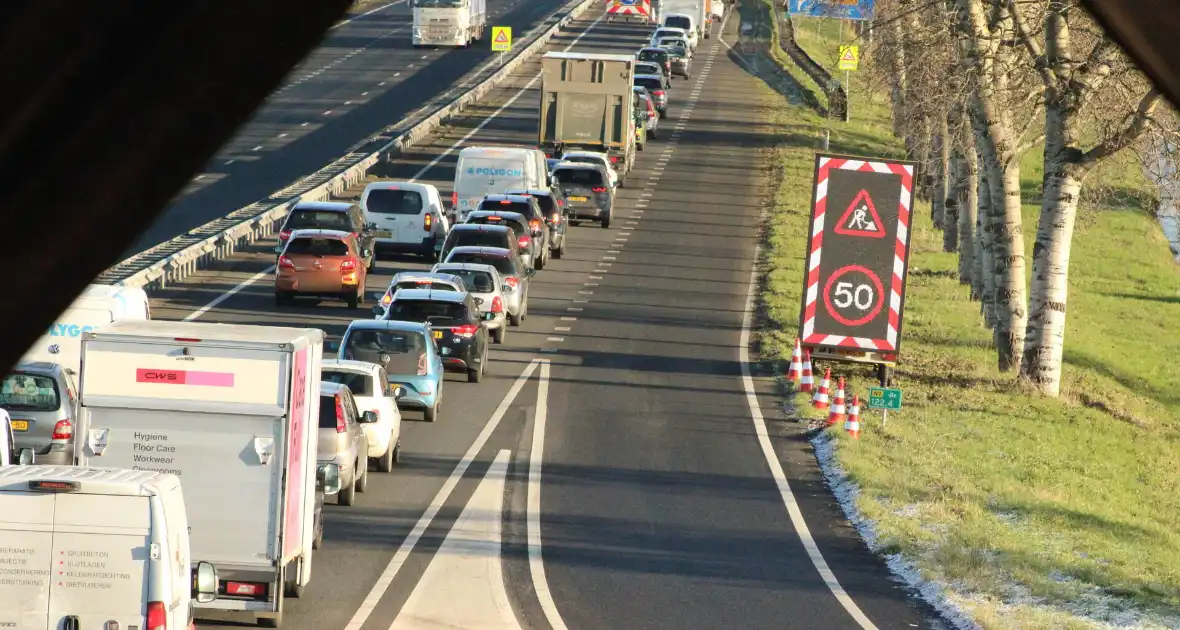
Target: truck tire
<point x="347" y="496"/>
<point x="291" y="586"/>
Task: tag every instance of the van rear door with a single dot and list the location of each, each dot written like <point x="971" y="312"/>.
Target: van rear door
<point x="100" y="560"/>
<point x="398" y="213"/>
<point x="26" y="557"/>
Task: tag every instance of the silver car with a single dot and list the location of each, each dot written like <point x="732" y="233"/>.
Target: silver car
<point x="516" y="275"/>
<point x="484" y="284"/>
<point x="342" y="439"/>
<point x="415" y="280"/>
<point x="42" y="400"/>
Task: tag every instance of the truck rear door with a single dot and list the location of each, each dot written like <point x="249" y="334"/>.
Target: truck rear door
<point x="26" y="557"/>
<point x="100" y="561"/>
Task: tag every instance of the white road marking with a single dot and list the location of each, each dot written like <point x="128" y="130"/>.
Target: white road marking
<point x="569" y="319"/>
<point x="595" y="277"/>
<point x="612" y="251"/>
<point x="561" y="329"/>
<point x="367" y="13"/>
<point x="256" y="148"/>
<point x="585" y="293"/>
<point x="399" y="559"/>
<point x="556" y="339"/>
<point x="327" y="112"/>
<point x="582" y="301"/>
<point x="574" y="309"/>
<point x="608" y="257"/>
<point x="303" y="124"/>
<point x="228" y="294"/>
<point x="348" y="102"/>
<point x="364" y="93"/>
<point x="228" y="162"/>
<point x="589" y="284"/>
<point x="283" y="135"/>
<point x="536" y="457"/>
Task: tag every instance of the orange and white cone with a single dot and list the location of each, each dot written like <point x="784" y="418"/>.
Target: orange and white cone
<point x="820" y="400"/>
<point x="852" y="424"/>
<point x="837" y="412"/>
<point x="808" y="382"/>
<point x="796" y="372"/>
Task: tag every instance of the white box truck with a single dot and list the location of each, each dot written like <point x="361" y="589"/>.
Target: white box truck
<point x="693" y="9"/>
<point x="448" y="22"/>
<point x="233" y="411"/>
<point x="97" y="305"/>
<point x="96" y="548"/>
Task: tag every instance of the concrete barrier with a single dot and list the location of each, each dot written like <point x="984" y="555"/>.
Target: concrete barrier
<point x="173" y="260"/>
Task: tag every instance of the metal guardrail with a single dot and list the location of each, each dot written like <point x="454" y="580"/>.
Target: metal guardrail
<point x="175" y="259"/>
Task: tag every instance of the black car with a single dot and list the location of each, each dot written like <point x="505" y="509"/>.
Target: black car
<point x="478" y="235"/>
<point x="330" y="215"/>
<point x="552" y="203"/>
<point x="526" y="245"/>
<point x="655" y="87"/>
<point x="651" y="67"/>
<point x="657" y="56"/>
<point x="587" y="191"/>
<point x="531" y="209"/>
<point x="681" y="62"/>
<point x="455" y="323"/>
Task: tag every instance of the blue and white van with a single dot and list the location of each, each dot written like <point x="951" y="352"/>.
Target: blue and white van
<point x="98" y="305"/>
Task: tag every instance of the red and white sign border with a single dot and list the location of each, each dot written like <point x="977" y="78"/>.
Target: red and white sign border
<point x="900" y="253"/>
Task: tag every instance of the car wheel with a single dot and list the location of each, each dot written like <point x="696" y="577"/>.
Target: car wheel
<point x="362" y="482"/>
<point x="385" y="462"/>
<point x="540" y="264"/>
<point x="654" y="134"/>
<point x="575" y="222"/>
<point x="318" y="541"/>
<point x="499" y="334"/>
<point x="397" y="452"/>
<point x="476" y="375"/>
<point x="638" y="146"/>
<point x="354" y="300"/>
<point x="606" y="222"/>
<point x="347" y="496"/>
<point x="431" y="414"/>
<point x="560" y="251"/>
<point x="513" y="320"/>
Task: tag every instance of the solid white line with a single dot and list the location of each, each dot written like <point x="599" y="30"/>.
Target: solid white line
<point x="536" y="454"/>
<point x="776" y="467"/>
<point x="380" y="8"/>
<point x="395" y="564"/>
<point x="228" y="294"/>
<point x="493" y="115"/>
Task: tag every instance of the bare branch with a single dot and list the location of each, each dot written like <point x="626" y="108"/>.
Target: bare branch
<point x="1129" y="134"/>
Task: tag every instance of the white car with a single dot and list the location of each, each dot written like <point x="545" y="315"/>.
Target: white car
<point x="415" y="280"/>
<point x="486" y="287"/>
<point x="408" y="217"/>
<point x="667" y="31"/>
<point x="372" y="391"/>
<point x="718" y="10"/>
<point x="593" y="157"/>
<point x="683" y="22"/>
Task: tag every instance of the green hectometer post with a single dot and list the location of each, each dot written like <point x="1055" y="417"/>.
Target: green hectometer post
<point x="884" y="398"/>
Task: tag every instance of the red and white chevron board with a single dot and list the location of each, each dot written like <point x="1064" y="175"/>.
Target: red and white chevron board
<point x="629" y="7"/>
<point x="826" y="165"/>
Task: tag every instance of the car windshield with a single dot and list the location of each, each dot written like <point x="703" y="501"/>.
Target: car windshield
<point x="518" y="207"/>
<point x="518" y="229"/>
<point x="656" y="56"/>
<point x="328" y="412"/>
<point x="424" y="284"/>
<point x="545" y="202"/>
<point x="359" y="384"/>
<point x="317" y="220"/>
<point x="437" y="313"/>
<point x="652" y="85"/>
<point x="501" y="263"/>
<point x="647" y="68"/>
<point x="479" y="281"/>
<point x="583" y="176"/>
<point x="477" y="238"/>
<point x="29" y="392"/>
<point x="676" y="52"/>
<point x="585" y="159"/>
<point x="392" y="201"/>
<point x="677" y="21"/>
<point x="317" y="247"/>
<point x="674" y="46"/>
<point x="399" y="352"/>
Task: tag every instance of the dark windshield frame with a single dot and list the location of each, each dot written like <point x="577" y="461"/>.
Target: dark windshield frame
<point x="502" y="264"/>
<point x="589" y="173"/>
<point x="340" y="220"/>
<point x="383" y="207"/>
<point x="349" y="379"/>
<point x="454" y="312"/>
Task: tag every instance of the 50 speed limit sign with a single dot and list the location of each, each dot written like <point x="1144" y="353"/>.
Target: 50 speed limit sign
<point x="857" y="252"/>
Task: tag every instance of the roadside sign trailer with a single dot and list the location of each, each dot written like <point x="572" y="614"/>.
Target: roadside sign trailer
<point x="857" y="258"/>
<point x="231" y="410"/>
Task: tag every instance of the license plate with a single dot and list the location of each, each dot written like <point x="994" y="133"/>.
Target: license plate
<point x="383" y="234"/>
<point x="438" y="334"/>
<point x="577" y="199"/>
<point x="20" y="425"/>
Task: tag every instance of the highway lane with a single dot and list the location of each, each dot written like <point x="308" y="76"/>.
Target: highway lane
<point x="364" y="77"/>
<point x="658" y="510"/>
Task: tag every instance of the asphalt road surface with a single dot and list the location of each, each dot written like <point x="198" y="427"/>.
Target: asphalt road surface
<point x="609" y="472"/>
<point x="364" y="76"/>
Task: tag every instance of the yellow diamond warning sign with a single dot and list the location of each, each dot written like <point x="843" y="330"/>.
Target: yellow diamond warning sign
<point x="501" y="38"/>
<point x="849" y="57"/>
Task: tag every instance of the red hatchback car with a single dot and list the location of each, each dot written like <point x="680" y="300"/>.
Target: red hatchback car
<point x="322" y="263"/>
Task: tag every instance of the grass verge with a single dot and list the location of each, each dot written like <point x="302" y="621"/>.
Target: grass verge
<point x="1036" y="513"/>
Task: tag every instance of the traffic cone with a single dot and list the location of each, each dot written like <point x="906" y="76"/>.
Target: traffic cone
<point x="820" y="400"/>
<point x="837" y="412"/>
<point x="807" y="381"/>
<point x="796" y="371"/>
<point x="852" y="424"/>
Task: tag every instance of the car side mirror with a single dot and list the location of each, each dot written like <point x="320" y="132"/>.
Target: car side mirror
<point x="365" y="253"/>
<point x="205" y="583"/>
<point x="506" y="287"/>
<point x="372" y="226"/>
<point x="26" y="457"/>
<point x="369" y="417"/>
<point x="399" y="392"/>
<point x="333" y="346"/>
<point x="328" y="477"/>
<point x="279" y="249"/>
<point x="530" y="272"/>
<point x="478" y="301"/>
<point x="377" y="311"/>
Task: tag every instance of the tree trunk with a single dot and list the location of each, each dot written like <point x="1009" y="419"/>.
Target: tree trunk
<point x="1009" y="262"/>
<point x="898" y="88"/>
<point x="955" y="193"/>
<point x="942" y="159"/>
<point x="968" y="214"/>
<point x="986" y="248"/>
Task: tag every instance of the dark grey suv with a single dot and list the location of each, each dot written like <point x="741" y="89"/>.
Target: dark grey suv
<point x="588" y="193"/>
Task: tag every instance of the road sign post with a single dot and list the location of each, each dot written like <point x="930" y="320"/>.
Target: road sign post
<point x="501" y="40"/>
<point x="857" y="255"/>
<point x="849" y="61"/>
<point x="885" y="399"/>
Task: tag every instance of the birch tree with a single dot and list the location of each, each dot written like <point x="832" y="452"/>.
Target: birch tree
<point x="1074" y="86"/>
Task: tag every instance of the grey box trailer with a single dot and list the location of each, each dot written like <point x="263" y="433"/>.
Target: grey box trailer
<point x="587" y="103"/>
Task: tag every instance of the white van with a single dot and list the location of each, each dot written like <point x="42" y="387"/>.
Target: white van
<point x="9" y="455"/>
<point x="97" y="305"/>
<point x="409" y="217"/>
<point x="96" y="548"/>
<point x="483" y="171"/>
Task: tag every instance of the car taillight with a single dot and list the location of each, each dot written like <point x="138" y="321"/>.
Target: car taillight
<point x="522" y="242"/>
<point x="427" y="222"/>
<point x="157" y="616"/>
<point x="614" y="159"/>
<point x="454" y="200"/>
<point x="535" y="224"/>
<point x="497" y="305"/>
<point x="658" y="92"/>
<point x="561" y="202"/>
<point x="422" y="365"/>
<point x="466" y="330"/>
<point x="341" y="424"/>
<point x="556" y="218"/>
<point x="284" y="235"/>
<point x="598" y="189"/>
<point x="286" y="263"/>
<point x="512" y="281"/>
<point x="348" y="265"/>
<point x="386" y="299"/>
<point x="63" y="430"/>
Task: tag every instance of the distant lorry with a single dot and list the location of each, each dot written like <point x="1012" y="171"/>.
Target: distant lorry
<point x="97" y="548"/>
<point x="448" y="22"/>
<point x="233" y="411"/>
<point x="97" y="305"/>
<point x="697" y="10"/>
<point x="587" y="104"/>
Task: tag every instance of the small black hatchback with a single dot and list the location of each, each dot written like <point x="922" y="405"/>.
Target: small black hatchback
<point x="455" y="325"/>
